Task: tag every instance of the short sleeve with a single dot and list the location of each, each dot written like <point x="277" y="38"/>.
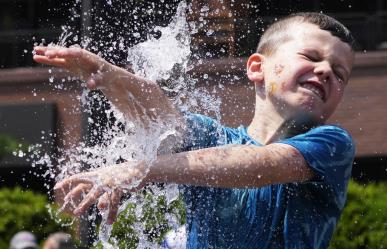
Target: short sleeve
<point x="329" y="151"/>
<point x="201" y="132"/>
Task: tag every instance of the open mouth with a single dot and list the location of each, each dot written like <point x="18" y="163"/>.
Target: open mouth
<point x="314" y="87"/>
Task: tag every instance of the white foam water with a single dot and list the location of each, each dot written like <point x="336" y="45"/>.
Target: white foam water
<point x="154" y="59"/>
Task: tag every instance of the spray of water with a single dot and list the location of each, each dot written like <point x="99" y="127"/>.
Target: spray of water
<point x="166" y="61"/>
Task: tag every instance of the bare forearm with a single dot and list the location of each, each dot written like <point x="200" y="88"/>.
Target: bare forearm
<point x="236" y="166"/>
<point x="136" y="96"/>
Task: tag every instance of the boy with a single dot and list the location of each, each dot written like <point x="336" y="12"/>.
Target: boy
<point x="248" y="187"/>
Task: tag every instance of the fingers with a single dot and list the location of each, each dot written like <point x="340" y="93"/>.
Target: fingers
<point x="72" y="181"/>
<point x="82" y="56"/>
<point x="49" y="56"/>
<point x="76" y="193"/>
<point x="57" y="62"/>
<point x="63" y="52"/>
<point x="110" y="203"/>
<point x="49" y="51"/>
<point x="40" y="50"/>
<point x="58" y="51"/>
<point x="89" y="200"/>
<point x="75" y="59"/>
<point x="103" y="202"/>
<point x="85" y="193"/>
<point x="114" y="204"/>
<point x="69" y="200"/>
<point x="103" y="185"/>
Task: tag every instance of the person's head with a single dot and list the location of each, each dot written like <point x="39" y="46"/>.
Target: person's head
<point x="302" y="65"/>
<point x="59" y="241"/>
<point x="23" y="240"/>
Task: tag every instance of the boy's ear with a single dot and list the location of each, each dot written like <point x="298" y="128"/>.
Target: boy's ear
<point x="255" y="69"/>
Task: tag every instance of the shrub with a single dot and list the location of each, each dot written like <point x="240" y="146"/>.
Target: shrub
<point x="363" y="224"/>
<point x="26" y="210"/>
<point x="152" y="218"/>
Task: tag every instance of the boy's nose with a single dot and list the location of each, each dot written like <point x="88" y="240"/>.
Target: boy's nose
<point x="323" y="70"/>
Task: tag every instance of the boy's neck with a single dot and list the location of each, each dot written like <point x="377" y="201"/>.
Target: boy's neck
<point x="269" y="126"/>
<point x="266" y="126"/>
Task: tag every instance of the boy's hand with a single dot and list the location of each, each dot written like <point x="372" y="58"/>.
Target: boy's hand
<point x="84" y="64"/>
<point x="104" y="186"/>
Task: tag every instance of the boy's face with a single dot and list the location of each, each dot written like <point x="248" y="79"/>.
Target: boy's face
<point x="308" y="73"/>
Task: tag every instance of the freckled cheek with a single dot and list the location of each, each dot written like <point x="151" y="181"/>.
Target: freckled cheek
<point x="283" y="77"/>
<point x="278" y="69"/>
<point x="277" y="88"/>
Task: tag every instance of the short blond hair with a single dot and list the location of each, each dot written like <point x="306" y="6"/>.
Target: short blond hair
<point x="277" y="33"/>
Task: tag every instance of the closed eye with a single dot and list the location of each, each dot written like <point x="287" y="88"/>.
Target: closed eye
<point x="339" y="76"/>
<point x="310" y="57"/>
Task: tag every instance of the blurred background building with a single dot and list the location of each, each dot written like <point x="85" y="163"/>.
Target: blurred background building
<point x="36" y="106"/>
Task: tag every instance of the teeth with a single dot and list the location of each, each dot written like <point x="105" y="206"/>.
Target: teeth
<point x="314" y="89"/>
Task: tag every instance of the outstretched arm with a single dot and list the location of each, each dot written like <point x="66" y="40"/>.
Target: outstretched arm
<point x="131" y="94"/>
<point x="234" y="166"/>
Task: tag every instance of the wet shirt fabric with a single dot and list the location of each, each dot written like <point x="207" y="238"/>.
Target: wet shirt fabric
<point x="293" y="215"/>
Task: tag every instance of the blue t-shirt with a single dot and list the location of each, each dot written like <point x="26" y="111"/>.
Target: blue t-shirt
<point x="293" y="215"/>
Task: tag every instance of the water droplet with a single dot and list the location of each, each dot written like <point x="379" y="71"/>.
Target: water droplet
<point x="210" y="32"/>
<point x="20" y="153"/>
<point x="204" y="9"/>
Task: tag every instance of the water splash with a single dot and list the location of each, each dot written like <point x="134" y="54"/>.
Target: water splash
<point x="155" y="59"/>
<point x="165" y="60"/>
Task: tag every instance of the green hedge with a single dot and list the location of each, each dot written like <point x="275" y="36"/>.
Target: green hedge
<point x="363" y="223"/>
<point x="26" y="210"/>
